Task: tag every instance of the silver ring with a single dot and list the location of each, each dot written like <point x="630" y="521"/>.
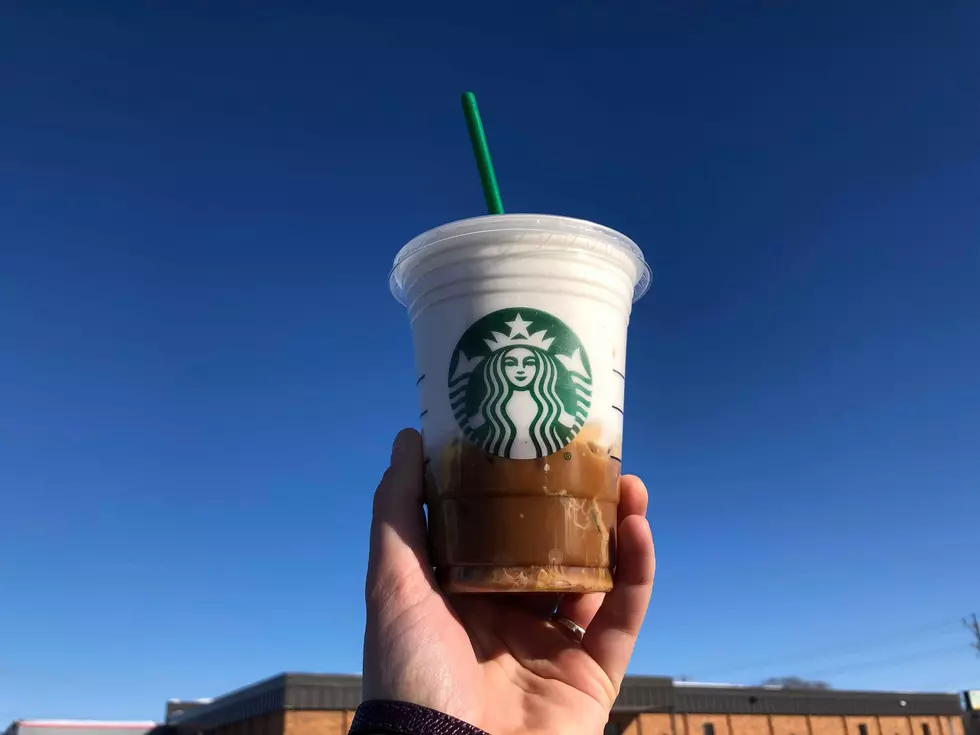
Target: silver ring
<point x="572" y="629"/>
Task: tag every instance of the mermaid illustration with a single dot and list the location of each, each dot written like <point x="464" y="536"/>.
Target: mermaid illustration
<point x="527" y="402"/>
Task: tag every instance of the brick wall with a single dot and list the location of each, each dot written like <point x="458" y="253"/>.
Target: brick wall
<point x="323" y="722"/>
<point x="752" y="725"/>
<point x="659" y="724"/>
<point x="317" y="722"/>
<point x="926" y="726"/>
<point x="789" y="725"/>
<point x="693" y="724"/>
<point x="862" y="725"/>
<point x="896" y="726"/>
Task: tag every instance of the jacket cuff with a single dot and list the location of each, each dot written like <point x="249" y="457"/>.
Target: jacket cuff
<point x="384" y="717"/>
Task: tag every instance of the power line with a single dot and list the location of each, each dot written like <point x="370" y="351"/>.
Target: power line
<point x="835" y="650"/>
<point x="885" y="662"/>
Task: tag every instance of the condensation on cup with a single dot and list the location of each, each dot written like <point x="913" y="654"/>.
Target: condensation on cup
<point x="519" y="326"/>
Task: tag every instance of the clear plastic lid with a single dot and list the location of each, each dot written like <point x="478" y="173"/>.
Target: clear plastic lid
<point x="617" y="245"/>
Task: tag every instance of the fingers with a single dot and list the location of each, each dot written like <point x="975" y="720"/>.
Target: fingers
<point x="398" y="559"/>
<point x="633" y="499"/>
<point x="612" y="634"/>
<point x="581" y="608"/>
<point x="539" y="604"/>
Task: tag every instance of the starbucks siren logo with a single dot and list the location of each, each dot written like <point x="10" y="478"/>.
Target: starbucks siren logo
<point x="520" y="385"/>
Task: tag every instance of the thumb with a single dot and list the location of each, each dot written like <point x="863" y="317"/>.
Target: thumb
<point x="399" y="560"/>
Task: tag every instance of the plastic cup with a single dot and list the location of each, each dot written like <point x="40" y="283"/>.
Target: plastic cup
<point x="519" y="327"/>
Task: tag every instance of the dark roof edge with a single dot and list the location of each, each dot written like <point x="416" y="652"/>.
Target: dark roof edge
<point x="301" y="691"/>
<point x="302" y="679"/>
<point x="809" y="693"/>
<point x="236" y="696"/>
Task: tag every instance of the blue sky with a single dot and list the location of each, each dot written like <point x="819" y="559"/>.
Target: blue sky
<point x="201" y="368"/>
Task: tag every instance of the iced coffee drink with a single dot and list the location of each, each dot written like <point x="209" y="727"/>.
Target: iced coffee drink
<point x="519" y="324"/>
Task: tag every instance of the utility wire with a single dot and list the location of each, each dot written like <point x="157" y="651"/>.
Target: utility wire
<point x="886" y="662"/>
<point x="835" y="650"/>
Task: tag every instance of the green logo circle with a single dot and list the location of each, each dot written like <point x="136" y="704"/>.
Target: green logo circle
<point x="520" y="385"/>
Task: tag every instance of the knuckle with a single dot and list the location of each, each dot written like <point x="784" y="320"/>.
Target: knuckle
<point x="389" y="592"/>
<point x="383" y="491"/>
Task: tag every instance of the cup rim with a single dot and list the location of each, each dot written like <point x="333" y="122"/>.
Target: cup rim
<point x="527" y="222"/>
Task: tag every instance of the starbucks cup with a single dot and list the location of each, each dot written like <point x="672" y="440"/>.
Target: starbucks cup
<point x="519" y="326"/>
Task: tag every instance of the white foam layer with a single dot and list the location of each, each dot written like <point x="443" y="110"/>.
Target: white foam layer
<point x="582" y="274"/>
<point x="465" y="237"/>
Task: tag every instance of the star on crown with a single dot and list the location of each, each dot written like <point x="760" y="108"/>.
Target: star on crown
<point x="519" y="336"/>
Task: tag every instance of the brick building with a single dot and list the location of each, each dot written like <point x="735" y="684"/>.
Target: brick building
<point x="316" y="704"/>
<point x="971" y="720"/>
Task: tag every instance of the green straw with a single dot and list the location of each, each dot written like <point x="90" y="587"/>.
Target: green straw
<point x="481" y="151"/>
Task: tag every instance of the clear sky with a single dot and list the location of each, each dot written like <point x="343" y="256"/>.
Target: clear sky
<point x="201" y="368"/>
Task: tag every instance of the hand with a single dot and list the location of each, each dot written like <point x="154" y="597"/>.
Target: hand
<point x="495" y="661"/>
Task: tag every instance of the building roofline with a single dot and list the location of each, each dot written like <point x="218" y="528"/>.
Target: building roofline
<point x="638" y="694"/>
<point x="810" y="692"/>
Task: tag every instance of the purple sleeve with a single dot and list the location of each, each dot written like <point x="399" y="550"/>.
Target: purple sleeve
<point x="383" y="717"/>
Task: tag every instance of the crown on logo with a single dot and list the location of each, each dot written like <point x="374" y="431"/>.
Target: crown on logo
<point x="519" y="336"/>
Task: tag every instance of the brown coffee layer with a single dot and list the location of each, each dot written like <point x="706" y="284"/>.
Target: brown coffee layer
<point x="583" y="469"/>
<point x="501" y="524"/>
<point x="524" y="579"/>
<point x="518" y="531"/>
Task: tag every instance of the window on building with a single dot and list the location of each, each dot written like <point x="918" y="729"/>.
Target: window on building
<point x="925" y="729"/>
<point x="708" y="728"/>
<point x="862" y="729"/>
